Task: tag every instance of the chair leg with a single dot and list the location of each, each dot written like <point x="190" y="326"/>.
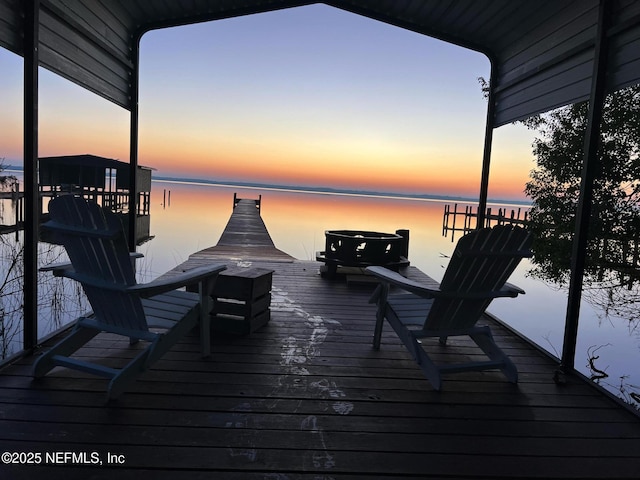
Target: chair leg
<point x="143" y="361"/>
<point x="76" y="339"/>
<point x="510" y="371"/>
<point x="484" y="340"/>
<point x="152" y="353"/>
<point x="205" y="335"/>
<point x="381" y="301"/>
<point x="127" y="375"/>
<point x="429" y="369"/>
<point x="377" y="333"/>
<point x="205" y="288"/>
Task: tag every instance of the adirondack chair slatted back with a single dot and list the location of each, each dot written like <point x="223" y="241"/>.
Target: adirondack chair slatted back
<point x="482" y="262"/>
<point x="95" y="242"/>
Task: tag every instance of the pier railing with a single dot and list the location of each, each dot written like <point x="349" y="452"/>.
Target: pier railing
<point x="620" y="254"/>
<point x="236" y="200"/>
<point x="464" y="219"/>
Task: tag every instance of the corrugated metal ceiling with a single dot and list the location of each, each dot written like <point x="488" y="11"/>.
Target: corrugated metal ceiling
<point x="542" y="50"/>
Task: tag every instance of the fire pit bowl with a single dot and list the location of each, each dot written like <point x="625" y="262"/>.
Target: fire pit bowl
<point x="358" y="248"/>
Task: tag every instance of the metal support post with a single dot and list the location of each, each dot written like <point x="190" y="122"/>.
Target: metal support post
<point x="31" y="195"/>
<point x="133" y="148"/>
<point x="486" y="158"/>
<point x="590" y="169"/>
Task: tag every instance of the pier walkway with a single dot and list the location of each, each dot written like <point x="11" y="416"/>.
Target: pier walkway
<point x="244" y="238"/>
<point x="307" y="397"/>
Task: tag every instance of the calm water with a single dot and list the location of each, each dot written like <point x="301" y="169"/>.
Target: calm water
<point x="197" y="215"/>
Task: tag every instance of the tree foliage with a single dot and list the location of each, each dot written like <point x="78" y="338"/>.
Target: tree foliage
<point x="611" y="282"/>
<point x="554" y="187"/>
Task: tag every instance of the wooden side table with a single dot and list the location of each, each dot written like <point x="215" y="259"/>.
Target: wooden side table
<point x="241" y="300"/>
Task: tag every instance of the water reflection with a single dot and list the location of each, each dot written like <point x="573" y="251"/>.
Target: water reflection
<point x="296" y="222"/>
<point x="611" y="190"/>
<point x="196" y="215"/>
<point x="59" y="301"/>
<point x="611" y="286"/>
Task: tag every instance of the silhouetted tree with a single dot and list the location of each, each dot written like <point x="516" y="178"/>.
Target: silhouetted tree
<point x="612" y="277"/>
<point x="555" y="185"/>
<point x="554" y="189"/>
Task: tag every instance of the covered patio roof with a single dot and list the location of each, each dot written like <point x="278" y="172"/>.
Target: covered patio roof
<point x="544" y="54"/>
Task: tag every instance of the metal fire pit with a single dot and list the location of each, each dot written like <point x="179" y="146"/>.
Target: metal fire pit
<point x="357" y="248"/>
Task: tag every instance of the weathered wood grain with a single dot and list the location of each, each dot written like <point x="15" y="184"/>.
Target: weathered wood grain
<point x="307" y="396"/>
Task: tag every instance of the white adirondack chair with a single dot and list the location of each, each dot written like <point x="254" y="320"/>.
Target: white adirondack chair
<point x="477" y="273"/>
<point x="99" y="259"/>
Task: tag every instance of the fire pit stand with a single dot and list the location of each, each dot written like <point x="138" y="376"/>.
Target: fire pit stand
<point x="357" y="248"/>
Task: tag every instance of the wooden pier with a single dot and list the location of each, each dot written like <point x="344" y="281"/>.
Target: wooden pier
<point x="469" y="221"/>
<point x="245" y="237"/>
<point x="307" y="397"/>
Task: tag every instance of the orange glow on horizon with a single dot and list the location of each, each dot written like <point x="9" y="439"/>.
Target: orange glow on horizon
<point x="431" y="173"/>
<point x="330" y="119"/>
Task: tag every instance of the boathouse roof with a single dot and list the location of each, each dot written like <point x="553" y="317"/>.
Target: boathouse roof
<point x="542" y="52"/>
<point x="88" y="171"/>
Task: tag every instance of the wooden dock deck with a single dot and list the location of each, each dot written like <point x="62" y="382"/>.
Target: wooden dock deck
<point x="244" y="237"/>
<point x="306" y="397"/>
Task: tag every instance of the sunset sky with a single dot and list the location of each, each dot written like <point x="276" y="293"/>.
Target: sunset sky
<point x="309" y="96"/>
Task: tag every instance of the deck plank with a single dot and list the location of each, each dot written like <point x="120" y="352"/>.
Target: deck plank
<point x="307" y="396"/>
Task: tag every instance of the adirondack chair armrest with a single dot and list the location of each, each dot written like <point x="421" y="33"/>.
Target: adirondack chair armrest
<point x="394" y="278"/>
<point x="508" y="290"/>
<point x="189" y="277"/>
<point x="512" y="290"/>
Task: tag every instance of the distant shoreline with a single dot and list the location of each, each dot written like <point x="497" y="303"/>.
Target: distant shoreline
<point x="323" y="190"/>
<point x="337" y="191"/>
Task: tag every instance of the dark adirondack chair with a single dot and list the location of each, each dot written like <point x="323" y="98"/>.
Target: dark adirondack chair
<point x="154" y="312"/>
<point x="477" y="273"/>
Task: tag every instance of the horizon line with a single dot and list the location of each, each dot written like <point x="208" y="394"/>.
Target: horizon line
<point x="322" y="190"/>
<point x="336" y="191"/>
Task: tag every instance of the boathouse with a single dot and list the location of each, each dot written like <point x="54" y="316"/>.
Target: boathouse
<point x="103" y="180"/>
<point x="343" y="411"/>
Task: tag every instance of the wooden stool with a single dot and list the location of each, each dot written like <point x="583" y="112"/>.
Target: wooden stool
<point x="241" y="300"/>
